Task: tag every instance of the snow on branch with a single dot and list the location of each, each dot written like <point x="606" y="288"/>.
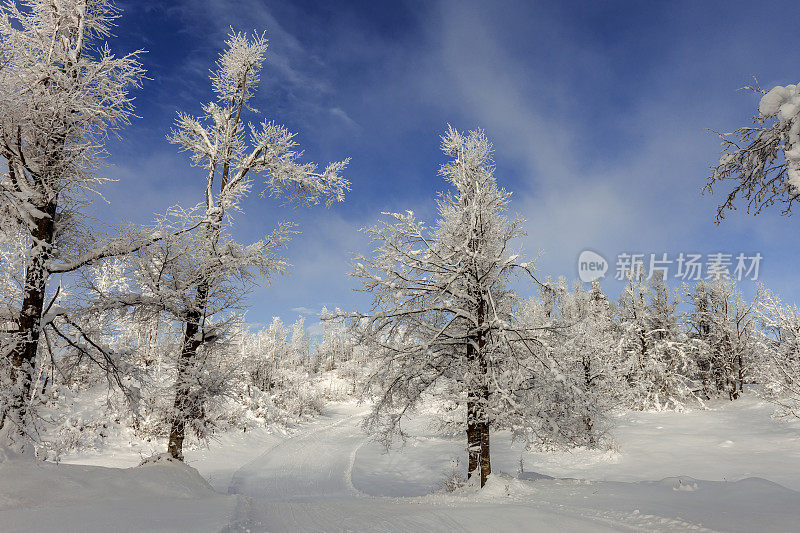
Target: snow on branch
<point x="762" y="161"/>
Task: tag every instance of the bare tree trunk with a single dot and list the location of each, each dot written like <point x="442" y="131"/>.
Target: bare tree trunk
<point x="186" y="406"/>
<point x="473" y="419"/>
<point x="23" y="355"/>
<point x="587" y="420"/>
<point x="473" y="437"/>
<point x="486" y="461"/>
<point x="741" y="372"/>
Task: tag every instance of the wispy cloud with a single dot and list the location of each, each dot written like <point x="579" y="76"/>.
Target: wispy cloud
<point x="341" y="114"/>
<point x="305" y="311"/>
<point x="628" y="180"/>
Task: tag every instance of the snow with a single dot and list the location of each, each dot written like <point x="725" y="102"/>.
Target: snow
<point x="772" y="101"/>
<point x="730" y="441"/>
<point x="39" y="496"/>
<point x="728" y="468"/>
<point x="783" y="102"/>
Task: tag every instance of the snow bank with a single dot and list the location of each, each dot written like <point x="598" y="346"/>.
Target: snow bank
<point x="678" y="503"/>
<point x="157" y="496"/>
<point x="26" y="483"/>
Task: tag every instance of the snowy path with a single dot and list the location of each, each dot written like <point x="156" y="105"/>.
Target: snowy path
<point x="316" y="464"/>
<point x="305" y="483"/>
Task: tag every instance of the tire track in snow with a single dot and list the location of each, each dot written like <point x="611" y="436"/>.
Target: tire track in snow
<point x="237" y="478"/>
<point x="349" y="472"/>
<point x="246" y="515"/>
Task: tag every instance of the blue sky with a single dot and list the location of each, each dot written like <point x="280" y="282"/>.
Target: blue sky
<point x="598" y="112"/>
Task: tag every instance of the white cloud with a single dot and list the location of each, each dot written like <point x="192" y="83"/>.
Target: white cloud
<point x="305" y="311"/>
<point x="344" y="117"/>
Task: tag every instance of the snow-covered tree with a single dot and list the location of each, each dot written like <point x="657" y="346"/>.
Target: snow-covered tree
<point x="230" y="152"/>
<point x="442" y="318"/>
<point x="61" y="92"/>
<point x="336" y="346"/>
<point x="762" y="162"/>
<point x="265" y="350"/>
<point x="300" y="343"/>
<point x="162" y="282"/>
<point x="279" y="350"/>
<point x="653" y="349"/>
<point x="579" y="334"/>
<point x="779" y="366"/>
<point x="722" y="328"/>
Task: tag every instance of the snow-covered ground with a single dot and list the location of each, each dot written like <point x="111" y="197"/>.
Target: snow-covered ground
<point x="729" y="468"/>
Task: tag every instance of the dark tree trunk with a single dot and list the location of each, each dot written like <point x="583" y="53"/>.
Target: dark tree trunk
<point x="588" y="422"/>
<point x="186" y="406"/>
<point x="23" y="355"/>
<point x="486" y="461"/>
<point x="473" y="413"/>
<point x="741" y="372"/>
<point x="473" y="438"/>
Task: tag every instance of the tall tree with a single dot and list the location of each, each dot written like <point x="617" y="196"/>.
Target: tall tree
<point x="230" y="151"/>
<point x="442" y="311"/>
<point x="61" y="92"/>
